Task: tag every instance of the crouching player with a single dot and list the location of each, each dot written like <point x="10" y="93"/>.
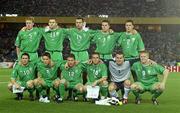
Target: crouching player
<point x="47" y="78"/>
<point x="120" y="75"/>
<point x="22" y="76"/>
<point x="71" y="77"/>
<point x="147" y="78"/>
<point x="97" y="74"/>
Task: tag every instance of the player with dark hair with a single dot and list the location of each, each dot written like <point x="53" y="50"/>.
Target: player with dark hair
<point x="22" y="76"/>
<point x="131" y="44"/>
<point x="54" y="37"/>
<point x="47" y="77"/>
<point x="71" y="77"/>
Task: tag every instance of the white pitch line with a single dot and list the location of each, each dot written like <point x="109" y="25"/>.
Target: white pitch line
<point x="3" y="82"/>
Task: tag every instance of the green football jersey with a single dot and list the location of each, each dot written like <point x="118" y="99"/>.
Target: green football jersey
<point x="79" y="39"/>
<point x="95" y="72"/>
<point x="28" y="40"/>
<point x="23" y="73"/>
<point x="131" y="44"/>
<point x="47" y="72"/>
<point x="73" y="75"/>
<point x="53" y="39"/>
<point x="147" y="74"/>
<point x="105" y="42"/>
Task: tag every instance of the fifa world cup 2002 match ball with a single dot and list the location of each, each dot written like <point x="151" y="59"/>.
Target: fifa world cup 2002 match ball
<point x="120" y="103"/>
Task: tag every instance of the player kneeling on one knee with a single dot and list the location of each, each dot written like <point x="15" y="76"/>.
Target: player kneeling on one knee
<point x="47" y="78"/>
<point x="22" y="76"/>
<point x="119" y="76"/>
<point x="97" y="74"/>
<point x="71" y="77"/>
<point x="147" y="75"/>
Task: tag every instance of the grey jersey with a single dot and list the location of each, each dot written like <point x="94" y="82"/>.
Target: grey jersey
<point x="119" y="73"/>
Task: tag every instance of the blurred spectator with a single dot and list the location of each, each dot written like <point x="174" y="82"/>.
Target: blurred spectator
<point x="123" y="8"/>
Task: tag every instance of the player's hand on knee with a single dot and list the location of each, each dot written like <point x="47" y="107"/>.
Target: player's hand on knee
<point x="17" y="85"/>
<point x="94" y="83"/>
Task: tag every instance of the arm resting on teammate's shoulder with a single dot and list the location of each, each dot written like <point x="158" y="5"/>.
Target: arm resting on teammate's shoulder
<point x="17" y="50"/>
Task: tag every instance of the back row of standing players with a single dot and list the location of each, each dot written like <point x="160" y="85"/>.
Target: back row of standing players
<point x="130" y="41"/>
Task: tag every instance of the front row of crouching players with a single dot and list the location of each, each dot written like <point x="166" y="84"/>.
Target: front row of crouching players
<point x="71" y="77"/>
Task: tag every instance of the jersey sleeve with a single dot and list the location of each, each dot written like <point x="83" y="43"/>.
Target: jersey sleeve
<point x="160" y="69"/>
<point x="39" y="70"/>
<point x="62" y="65"/>
<point x="14" y="74"/>
<point x="84" y="66"/>
<point x="18" y="41"/>
<point x="104" y="70"/>
<point x="66" y="31"/>
<point x="40" y="31"/>
<point x="92" y="33"/>
<point x="120" y="38"/>
<point x="133" y="67"/>
<point x="140" y="43"/>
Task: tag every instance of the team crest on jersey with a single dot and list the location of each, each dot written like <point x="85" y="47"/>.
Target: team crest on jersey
<point x="133" y="39"/>
<point x="57" y="33"/>
<point x="149" y="71"/>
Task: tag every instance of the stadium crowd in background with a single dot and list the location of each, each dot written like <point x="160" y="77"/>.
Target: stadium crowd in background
<point x="144" y="8"/>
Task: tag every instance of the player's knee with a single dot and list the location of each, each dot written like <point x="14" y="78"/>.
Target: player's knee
<point x="104" y="83"/>
<point x="63" y="81"/>
<point x="159" y="88"/>
<point x="30" y="84"/>
<point x="127" y="83"/>
<point x="37" y="82"/>
<point x="56" y="83"/>
<point x="135" y="87"/>
<point x="85" y="88"/>
<point x="10" y="86"/>
<point x="81" y="89"/>
<point x="111" y="87"/>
